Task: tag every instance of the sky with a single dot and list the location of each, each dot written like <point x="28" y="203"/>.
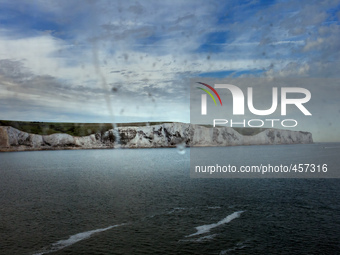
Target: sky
<point x="130" y="61"/>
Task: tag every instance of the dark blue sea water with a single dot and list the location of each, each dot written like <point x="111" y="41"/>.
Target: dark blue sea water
<point x="143" y="201"/>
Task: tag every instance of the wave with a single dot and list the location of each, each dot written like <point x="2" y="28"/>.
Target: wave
<point x="179" y="209"/>
<point x="206" y="228"/>
<point x="74" y="239"/>
<point x="205" y="238"/>
<point x="238" y="246"/>
<point x="201" y="239"/>
<point x="214" y="207"/>
<point x="176" y="209"/>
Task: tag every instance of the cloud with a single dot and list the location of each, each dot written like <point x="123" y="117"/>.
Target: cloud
<point x="139" y="56"/>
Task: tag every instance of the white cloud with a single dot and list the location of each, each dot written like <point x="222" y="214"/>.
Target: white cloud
<point x="148" y="50"/>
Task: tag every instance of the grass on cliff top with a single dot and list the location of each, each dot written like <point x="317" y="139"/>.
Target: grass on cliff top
<point x="83" y="129"/>
<point x="75" y="129"/>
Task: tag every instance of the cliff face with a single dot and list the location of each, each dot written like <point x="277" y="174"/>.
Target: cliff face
<point x="164" y="135"/>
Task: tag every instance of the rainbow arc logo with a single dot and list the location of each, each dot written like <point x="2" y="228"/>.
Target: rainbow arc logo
<point x="209" y="93"/>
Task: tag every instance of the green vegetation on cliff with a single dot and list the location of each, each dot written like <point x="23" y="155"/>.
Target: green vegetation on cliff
<point x="75" y="129"/>
<point x="84" y="129"/>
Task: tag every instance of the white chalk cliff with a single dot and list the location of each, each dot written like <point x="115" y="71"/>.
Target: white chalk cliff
<point x="163" y="135"/>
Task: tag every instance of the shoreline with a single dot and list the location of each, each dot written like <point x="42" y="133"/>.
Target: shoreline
<point x="137" y="148"/>
<point x="167" y="135"/>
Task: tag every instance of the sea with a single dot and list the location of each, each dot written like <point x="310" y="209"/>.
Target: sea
<point x="143" y="201"/>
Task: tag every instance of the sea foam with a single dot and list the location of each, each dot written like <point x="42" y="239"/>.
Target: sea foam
<point x="74" y="239"/>
<point x="206" y="228"/>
